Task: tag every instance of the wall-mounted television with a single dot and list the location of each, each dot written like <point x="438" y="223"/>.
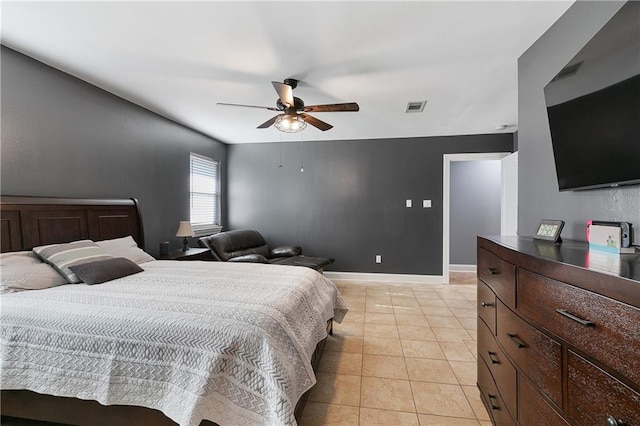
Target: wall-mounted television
<point x="593" y="106"/>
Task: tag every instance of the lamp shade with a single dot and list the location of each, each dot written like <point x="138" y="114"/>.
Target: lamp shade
<point x="185" y="229"/>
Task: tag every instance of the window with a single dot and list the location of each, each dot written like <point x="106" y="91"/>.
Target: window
<point x="204" y="195"/>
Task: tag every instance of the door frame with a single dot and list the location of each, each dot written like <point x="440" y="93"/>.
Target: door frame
<point x="446" y="198"/>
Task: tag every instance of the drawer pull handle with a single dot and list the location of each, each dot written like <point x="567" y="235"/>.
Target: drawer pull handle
<point x="493" y="357"/>
<point x="518" y="342"/>
<point x="491" y="398"/>
<point x="486" y="304"/>
<point x="612" y="421"/>
<point x="569" y="315"/>
<point x="493" y="271"/>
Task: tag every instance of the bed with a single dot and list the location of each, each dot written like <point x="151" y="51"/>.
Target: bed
<point x="184" y="343"/>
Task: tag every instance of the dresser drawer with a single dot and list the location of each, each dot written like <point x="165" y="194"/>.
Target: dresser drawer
<point x="487" y="306"/>
<point x="534" y="353"/>
<point x="501" y="369"/>
<point x="498" y="274"/>
<point x="534" y="409"/>
<point x="594" y="395"/>
<point x="601" y="327"/>
<point x="490" y="396"/>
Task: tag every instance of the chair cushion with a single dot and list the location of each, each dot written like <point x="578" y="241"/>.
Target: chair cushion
<point x="286" y="251"/>
<point x="251" y="258"/>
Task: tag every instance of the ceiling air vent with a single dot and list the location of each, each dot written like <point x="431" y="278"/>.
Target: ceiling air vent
<point x="568" y="71"/>
<point x="416" y="106"/>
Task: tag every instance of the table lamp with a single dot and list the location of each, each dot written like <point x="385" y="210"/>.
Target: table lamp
<point x="185" y="230"/>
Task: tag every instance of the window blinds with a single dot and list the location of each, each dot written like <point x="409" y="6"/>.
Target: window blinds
<point x="205" y="195"/>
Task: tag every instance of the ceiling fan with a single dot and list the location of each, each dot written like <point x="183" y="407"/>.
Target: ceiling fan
<point x="294" y="117"/>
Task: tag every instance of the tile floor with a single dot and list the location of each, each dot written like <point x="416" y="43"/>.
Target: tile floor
<point x="404" y="355"/>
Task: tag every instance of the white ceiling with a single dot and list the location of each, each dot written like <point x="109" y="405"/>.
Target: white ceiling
<point x="180" y="58"/>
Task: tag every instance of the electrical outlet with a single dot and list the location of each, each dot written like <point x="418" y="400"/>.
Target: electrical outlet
<point x="408" y="203"/>
<point x="426" y="204"/>
<point x="378" y="258"/>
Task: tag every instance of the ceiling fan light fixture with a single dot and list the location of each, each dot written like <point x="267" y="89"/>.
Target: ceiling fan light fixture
<point x="290" y="123"/>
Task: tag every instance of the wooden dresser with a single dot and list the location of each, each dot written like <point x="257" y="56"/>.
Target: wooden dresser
<point x="558" y="333"/>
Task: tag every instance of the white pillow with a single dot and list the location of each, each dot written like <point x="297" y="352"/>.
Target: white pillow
<point x="19" y="258"/>
<point x="125" y="247"/>
<point x="23" y="270"/>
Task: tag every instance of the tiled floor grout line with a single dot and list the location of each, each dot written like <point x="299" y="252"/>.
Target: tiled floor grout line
<point x="404" y="362"/>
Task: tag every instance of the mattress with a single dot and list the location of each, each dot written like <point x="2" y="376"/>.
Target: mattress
<point x="227" y="342"/>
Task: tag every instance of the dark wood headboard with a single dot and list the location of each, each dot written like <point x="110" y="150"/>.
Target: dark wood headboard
<point x="27" y="222"/>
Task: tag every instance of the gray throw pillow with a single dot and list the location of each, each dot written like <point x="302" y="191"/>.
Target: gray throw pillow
<point x="105" y="270"/>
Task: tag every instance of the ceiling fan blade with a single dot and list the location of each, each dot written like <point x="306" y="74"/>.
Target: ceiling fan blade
<point x="268" y="123"/>
<point x="249" y="106"/>
<point x="349" y="106"/>
<point x="285" y="92"/>
<point x="315" y="122"/>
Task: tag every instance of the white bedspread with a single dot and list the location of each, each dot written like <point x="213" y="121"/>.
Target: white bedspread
<point x="226" y="342"/>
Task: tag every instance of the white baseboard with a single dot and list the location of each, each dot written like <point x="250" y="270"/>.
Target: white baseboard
<point x="463" y="268"/>
<point x="375" y="277"/>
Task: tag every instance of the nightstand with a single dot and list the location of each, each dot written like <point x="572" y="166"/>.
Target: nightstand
<point x="190" y="254"/>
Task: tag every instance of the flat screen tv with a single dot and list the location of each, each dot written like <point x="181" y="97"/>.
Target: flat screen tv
<point x="593" y="106"/>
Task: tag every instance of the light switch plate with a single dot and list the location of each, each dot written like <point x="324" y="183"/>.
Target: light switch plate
<point x="426" y="204"/>
<point x="408" y="203"/>
<point x="378" y="258"/>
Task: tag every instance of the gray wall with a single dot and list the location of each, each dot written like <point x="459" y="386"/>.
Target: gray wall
<point x="474" y="206"/>
<point x="64" y="137"/>
<point x="349" y="203"/>
<point x="538" y="188"/>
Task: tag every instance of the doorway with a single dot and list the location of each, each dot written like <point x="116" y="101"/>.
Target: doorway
<point x="508" y="198"/>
